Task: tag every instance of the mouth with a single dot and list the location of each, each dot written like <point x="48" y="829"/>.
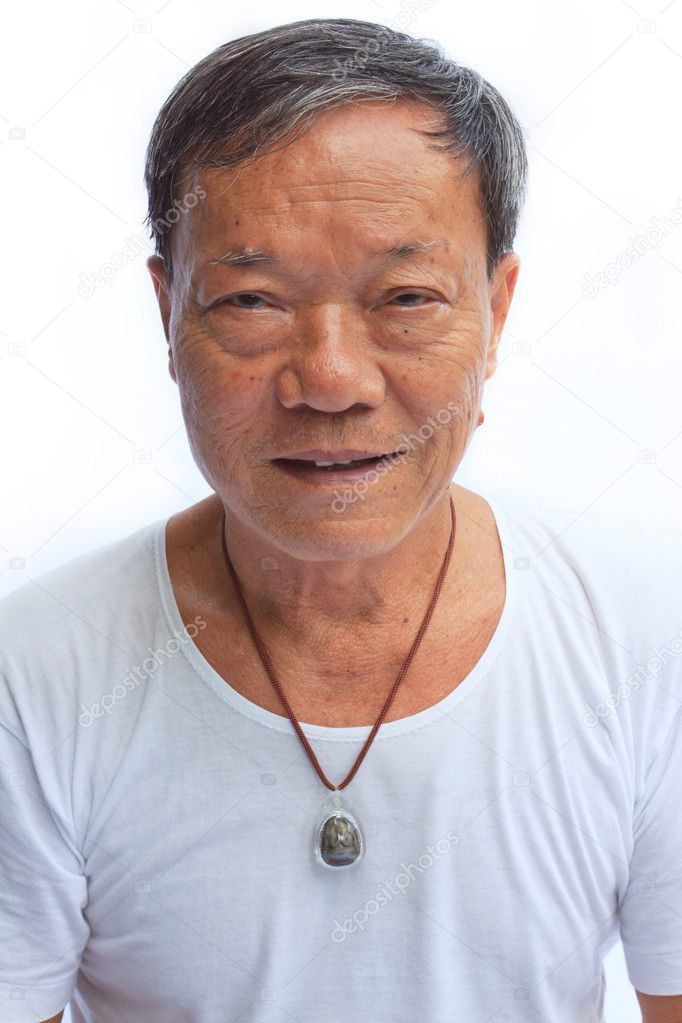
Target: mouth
<point x="341" y="470"/>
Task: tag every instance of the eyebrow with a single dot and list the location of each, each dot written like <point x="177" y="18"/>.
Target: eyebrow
<point x="239" y="256"/>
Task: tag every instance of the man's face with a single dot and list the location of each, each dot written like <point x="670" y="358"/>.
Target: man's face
<point x="334" y="345"/>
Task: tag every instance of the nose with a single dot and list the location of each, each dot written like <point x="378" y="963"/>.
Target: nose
<point x="331" y="363"/>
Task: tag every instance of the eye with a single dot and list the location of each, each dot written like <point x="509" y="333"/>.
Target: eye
<point x="244" y="295"/>
<point x="411" y="294"/>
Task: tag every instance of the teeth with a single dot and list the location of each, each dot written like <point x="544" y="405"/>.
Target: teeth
<point x="325" y="465"/>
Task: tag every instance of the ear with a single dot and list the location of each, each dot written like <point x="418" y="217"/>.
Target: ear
<point x="157" y="270"/>
<point x="501" y="292"/>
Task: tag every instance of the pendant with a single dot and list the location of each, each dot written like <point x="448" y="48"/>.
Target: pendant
<point x="338" y="840"/>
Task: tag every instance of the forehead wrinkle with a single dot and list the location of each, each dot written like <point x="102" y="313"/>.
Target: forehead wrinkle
<point x="411" y="194"/>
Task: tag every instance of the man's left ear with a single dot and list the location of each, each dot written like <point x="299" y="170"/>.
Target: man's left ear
<point x="501" y="292"/>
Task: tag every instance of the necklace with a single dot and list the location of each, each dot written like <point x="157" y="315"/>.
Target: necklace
<point x="338" y="839"/>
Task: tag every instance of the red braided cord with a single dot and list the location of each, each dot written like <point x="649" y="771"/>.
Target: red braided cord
<point x="265" y="657"/>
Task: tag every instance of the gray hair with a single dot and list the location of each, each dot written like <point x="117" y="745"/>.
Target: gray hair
<point x="251" y="93"/>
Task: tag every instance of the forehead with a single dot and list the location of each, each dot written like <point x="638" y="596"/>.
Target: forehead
<point x="361" y="174"/>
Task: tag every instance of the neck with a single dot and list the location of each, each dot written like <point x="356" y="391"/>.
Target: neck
<point x="317" y="605"/>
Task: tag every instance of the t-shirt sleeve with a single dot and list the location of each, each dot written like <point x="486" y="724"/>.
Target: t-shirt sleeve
<point x="651" y="909"/>
<point x="42" y="894"/>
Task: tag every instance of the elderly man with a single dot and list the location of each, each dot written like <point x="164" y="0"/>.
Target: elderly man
<point x="369" y="772"/>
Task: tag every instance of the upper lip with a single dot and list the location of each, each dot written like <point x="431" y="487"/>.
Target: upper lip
<point x="322" y="455"/>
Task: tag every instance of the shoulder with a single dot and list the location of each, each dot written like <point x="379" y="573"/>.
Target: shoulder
<point x="622" y="569"/>
<point x="68" y="595"/>
<point x="605" y="595"/>
<point x="67" y="625"/>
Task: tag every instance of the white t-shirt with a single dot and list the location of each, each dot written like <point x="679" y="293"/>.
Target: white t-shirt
<point x="156" y="855"/>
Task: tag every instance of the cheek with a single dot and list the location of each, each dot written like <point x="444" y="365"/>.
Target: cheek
<point x="444" y="383"/>
<point x="216" y="394"/>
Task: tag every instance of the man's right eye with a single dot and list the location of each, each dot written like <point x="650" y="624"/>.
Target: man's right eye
<point x="242" y="295"/>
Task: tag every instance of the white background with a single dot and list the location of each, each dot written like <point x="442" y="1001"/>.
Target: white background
<point x="583" y="414"/>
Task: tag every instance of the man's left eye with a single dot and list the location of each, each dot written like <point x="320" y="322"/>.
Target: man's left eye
<point x="410" y="294"/>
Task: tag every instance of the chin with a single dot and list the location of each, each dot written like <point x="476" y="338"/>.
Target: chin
<point x="332" y="536"/>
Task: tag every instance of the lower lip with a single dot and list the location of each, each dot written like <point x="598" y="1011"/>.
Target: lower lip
<point x="328" y="477"/>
